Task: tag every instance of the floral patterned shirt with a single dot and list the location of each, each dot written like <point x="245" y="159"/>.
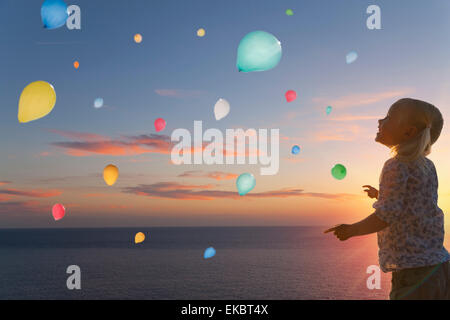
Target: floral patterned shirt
<point x="407" y="201"/>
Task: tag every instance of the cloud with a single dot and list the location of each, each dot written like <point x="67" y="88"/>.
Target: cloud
<point x="354" y="118"/>
<point x="217" y="175"/>
<point x="89" y="143"/>
<point x="173" y="190"/>
<point x="31" y="193"/>
<point x="21" y="207"/>
<point x="4" y="182"/>
<point x="361" y="99"/>
<point x="177" y="93"/>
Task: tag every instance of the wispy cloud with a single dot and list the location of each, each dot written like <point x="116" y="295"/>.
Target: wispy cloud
<point x="361" y="99"/>
<point x="173" y="190"/>
<point x="178" y="93"/>
<point x="2" y="183"/>
<point x="346" y="118"/>
<point x="217" y="175"/>
<point x="89" y="143"/>
<point x="31" y="193"/>
<point x="21" y="207"/>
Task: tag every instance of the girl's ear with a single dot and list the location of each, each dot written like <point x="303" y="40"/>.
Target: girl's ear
<point x="411" y="131"/>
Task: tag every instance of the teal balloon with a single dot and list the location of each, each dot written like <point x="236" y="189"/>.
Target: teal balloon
<point x="258" y="51"/>
<point x="339" y="172"/>
<point x="209" y="253"/>
<point x="54" y="14"/>
<point x="245" y="183"/>
<point x="329" y="110"/>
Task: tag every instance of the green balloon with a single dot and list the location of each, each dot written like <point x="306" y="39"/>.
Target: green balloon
<point x="339" y="172"/>
<point x="289" y="12"/>
<point x="258" y="51"/>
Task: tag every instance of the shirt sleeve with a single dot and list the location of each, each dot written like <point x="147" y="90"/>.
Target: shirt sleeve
<point x="390" y="205"/>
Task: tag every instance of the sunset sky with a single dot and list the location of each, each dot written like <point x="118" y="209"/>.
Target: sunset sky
<point x="176" y="75"/>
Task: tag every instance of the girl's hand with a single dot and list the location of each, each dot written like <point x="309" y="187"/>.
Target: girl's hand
<point x="342" y="231"/>
<point x="371" y="191"/>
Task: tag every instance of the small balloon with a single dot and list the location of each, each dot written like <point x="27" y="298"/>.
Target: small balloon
<point x="329" y="110"/>
<point x="221" y="109"/>
<point x="245" y="183"/>
<point x="258" y="51"/>
<point x="290" y="95"/>
<point x="209" y="253"/>
<point x="351" y="57"/>
<point x="58" y="211"/>
<point x="138" y="38"/>
<point x="76" y="64"/>
<point x="289" y="12"/>
<point x="201" y="32"/>
<point x="110" y="174"/>
<point x="98" y="103"/>
<point x="54" y="14"/>
<point x="160" y="124"/>
<point x="139" y="237"/>
<point x="339" y="172"/>
<point x="36" y="101"/>
<point x="295" y="150"/>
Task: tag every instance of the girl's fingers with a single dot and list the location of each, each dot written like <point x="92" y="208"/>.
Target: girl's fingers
<point x="331" y="229"/>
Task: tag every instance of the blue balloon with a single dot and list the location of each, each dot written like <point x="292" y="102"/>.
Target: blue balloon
<point x="54" y="13"/>
<point x="209" y="253"/>
<point x="258" y="51"/>
<point x="98" y="103"/>
<point x="351" y="57"/>
<point x="295" y="150"/>
<point x="245" y="183"/>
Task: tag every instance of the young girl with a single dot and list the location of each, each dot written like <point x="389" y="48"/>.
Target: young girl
<point x="409" y="223"/>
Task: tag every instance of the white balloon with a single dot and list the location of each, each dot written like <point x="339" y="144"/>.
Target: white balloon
<point x="221" y="109"/>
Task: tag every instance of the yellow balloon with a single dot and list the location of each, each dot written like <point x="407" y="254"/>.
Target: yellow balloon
<point x="36" y="101"/>
<point x="110" y="174"/>
<point x="201" y="32"/>
<point x="139" y="237"/>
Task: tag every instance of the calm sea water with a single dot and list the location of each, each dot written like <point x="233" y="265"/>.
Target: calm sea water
<point x="251" y="263"/>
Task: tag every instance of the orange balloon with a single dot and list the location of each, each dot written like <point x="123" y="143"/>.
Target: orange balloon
<point x="137" y="38"/>
<point x="76" y="64"/>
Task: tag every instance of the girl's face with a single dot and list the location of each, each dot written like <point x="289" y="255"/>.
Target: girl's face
<point x="393" y="129"/>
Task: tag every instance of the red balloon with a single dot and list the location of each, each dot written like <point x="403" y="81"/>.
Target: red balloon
<point x="291" y="95"/>
<point x="160" y="124"/>
<point x="58" y="211"/>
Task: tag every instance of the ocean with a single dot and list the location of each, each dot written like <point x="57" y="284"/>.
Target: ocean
<point x="250" y="263"/>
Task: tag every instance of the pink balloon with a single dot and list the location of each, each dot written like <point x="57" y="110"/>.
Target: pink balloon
<point x="58" y="211"/>
<point x="291" y="95"/>
<point x="160" y="124"/>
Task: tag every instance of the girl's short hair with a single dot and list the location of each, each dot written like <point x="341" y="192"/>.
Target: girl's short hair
<point x="428" y="121"/>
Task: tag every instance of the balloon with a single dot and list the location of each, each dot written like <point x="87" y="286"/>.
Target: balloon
<point x="329" y="110"/>
<point x="54" y="14"/>
<point x="209" y="253"/>
<point x="138" y="38"/>
<point x="139" y="237"/>
<point x="160" y="124"/>
<point x="351" y="57"/>
<point x="289" y="12"/>
<point x="221" y="109"/>
<point x="110" y="174"/>
<point x="291" y="95"/>
<point x="245" y="183"/>
<point x="339" y="172"/>
<point x="98" y="103"/>
<point x="295" y="150"/>
<point x="258" y="51"/>
<point x="201" y="32"/>
<point x="58" y="211"/>
<point x="76" y="64"/>
<point x="36" y="101"/>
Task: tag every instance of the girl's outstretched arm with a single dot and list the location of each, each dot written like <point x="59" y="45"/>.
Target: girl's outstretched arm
<point x="369" y="225"/>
